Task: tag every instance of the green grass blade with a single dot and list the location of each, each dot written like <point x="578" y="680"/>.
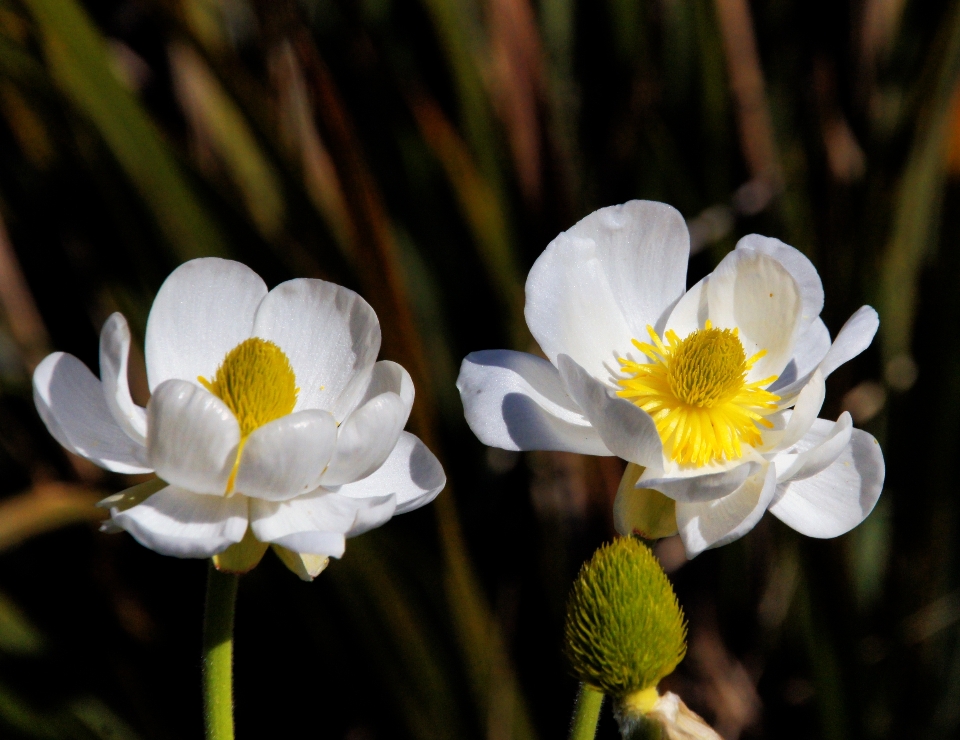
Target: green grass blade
<point x="79" y="62"/>
<point x="918" y="203"/>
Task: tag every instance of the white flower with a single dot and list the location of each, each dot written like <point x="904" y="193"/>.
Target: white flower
<point x="714" y="391"/>
<point x="270" y="420"/>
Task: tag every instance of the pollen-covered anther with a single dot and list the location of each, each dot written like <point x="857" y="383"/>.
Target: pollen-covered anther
<point x="697" y="393"/>
<point x="257" y="383"/>
<point x="708" y="367"/>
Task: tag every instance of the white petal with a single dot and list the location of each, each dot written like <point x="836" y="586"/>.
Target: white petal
<point x="837" y="499"/>
<point x="815" y="452"/>
<point x="812" y="347"/>
<point x="366" y="439"/>
<point x="71" y="403"/>
<point x="389" y="377"/>
<point x="627" y="430"/>
<point x="678" y="722"/>
<point x="644" y="248"/>
<point x="755" y="293"/>
<point x="331" y="336"/>
<point x="719" y="522"/>
<point x="192" y="437"/>
<point x="797" y="264"/>
<point x="378" y="510"/>
<point x="204" y="309"/>
<point x="855" y="336"/>
<point x="286" y="457"/>
<point x="699" y="487"/>
<point x="114" y="353"/>
<point x="690" y="313"/>
<point x="412" y="474"/>
<point x="184" y="524"/>
<point x="599" y="284"/>
<point x="516" y="401"/>
<point x="571" y="309"/>
<point x="315" y="523"/>
<point x="806" y="407"/>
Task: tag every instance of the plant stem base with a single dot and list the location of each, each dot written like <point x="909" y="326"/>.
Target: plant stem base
<point x="218" y="654"/>
<point x="586" y="713"/>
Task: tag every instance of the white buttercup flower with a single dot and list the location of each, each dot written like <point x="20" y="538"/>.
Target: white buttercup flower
<point x="714" y="391"/>
<point x="270" y="420"/>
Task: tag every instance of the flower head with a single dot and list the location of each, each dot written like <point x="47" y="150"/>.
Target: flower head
<point x="697" y="392"/>
<point x="270" y="421"/>
<point x="625" y="630"/>
<point x="711" y="393"/>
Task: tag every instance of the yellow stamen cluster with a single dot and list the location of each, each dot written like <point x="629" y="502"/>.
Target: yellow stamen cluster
<point x="257" y="383"/>
<point x="696" y="391"/>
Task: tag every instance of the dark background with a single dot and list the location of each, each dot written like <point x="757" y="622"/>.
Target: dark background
<point x="424" y="152"/>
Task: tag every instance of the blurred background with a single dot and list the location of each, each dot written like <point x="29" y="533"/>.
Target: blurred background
<point x="424" y="152"/>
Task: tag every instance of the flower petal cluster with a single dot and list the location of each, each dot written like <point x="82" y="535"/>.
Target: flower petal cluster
<point x="714" y="391"/>
<point x="270" y="420"/>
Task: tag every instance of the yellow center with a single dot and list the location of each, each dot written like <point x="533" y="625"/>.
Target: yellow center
<point x="257" y="383"/>
<point x="697" y="392"/>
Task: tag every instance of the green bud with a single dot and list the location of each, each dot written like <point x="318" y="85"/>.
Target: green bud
<point x="625" y="630"/>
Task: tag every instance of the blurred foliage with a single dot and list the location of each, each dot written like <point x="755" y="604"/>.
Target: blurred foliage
<point x="424" y="153"/>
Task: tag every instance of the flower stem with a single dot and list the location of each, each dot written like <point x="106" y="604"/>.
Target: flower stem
<point x="218" y="654"/>
<point x="586" y="713"/>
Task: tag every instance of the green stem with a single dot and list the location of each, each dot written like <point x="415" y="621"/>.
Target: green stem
<point x="586" y="713"/>
<point x="218" y="654"/>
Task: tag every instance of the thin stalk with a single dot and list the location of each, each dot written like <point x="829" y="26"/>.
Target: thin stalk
<point x="218" y="654"/>
<point x="586" y="713"/>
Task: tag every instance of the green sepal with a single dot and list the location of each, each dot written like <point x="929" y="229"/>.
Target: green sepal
<point x="643" y="511"/>
<point x="242" y="556"/>
<point x="130" y="497"/>
<point x="303" y="564"/>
